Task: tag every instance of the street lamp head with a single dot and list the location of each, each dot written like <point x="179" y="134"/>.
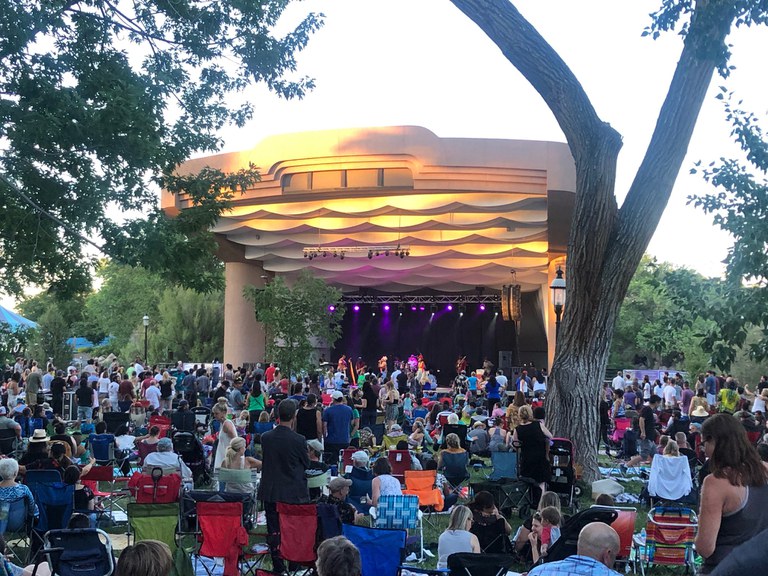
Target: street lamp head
<point x="145" y="320"/>
<point x="557" y="289"/>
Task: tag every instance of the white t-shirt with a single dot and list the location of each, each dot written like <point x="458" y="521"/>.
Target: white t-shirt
<point x="618" y="383"/>
<point x="646" y="391"/>
<point x="153" y="395"/>
<point x="112" y="390"/>
<point x="670" y="397"/>
<point x="103" y="385"/>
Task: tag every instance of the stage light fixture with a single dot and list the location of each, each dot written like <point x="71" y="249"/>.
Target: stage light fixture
<point x="373" y="313"/>
<point x="413" y="308"/>
<point x="462" y="308"/>
<point x="331" y="308"/>
<point x="422" y="308"/>
<point x="386" y="307"/>
<point x="433" y="309"/>
<point x="449" y="307"/>
<point x="356" y="308"/>
<point x="482" y="307"/>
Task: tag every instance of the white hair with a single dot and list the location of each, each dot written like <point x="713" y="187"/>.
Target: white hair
<point x="9" y="469"/>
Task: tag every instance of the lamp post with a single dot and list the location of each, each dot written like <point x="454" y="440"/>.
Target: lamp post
<point x="146" y="330"/>
<point x="557" y="290"/>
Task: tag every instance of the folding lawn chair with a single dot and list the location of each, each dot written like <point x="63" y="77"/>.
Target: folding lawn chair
<point x="670" y="533"/>
<point x="156" y="487"/>
<point x="16" y="521"/>
<point x="380" y="550"/>
<point x="566" y="545"/>
<point x="55" y="502"/>
<point x="454" y="468"/>
<point x="153" y="522"/>
<point x="504" y="466"/>
<point x="468" y="564"/>
<point x="421" y="483"/>
<point x="114" y="420"/>
<point x="460" y="430"/>
<point x="400" y="513"/>
<point x="222" y="534"/>
<point x="492" y="537"/>
<point x="9" y="443"/>
<point x="81" y="552"/>
<point x="115" y="497"/>
<point x="625" y="528"/>
<point x="298" y="534"/>
<point x="670" y="480"/>
<point x="191" y="498"/>
<point x="400" y="460"/>
<point x="345" y="460"/>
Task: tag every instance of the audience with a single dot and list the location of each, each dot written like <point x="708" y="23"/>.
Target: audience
<point x="145" y="558"/>
<point x="336" y="556"/>
<point x="457" y="536"/>
<point x="597" y="548"/>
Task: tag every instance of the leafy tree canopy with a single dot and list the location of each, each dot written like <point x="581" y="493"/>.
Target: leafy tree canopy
<point x="100" y="101"/>
<point x="740" y="207"/>
<point x="294" y="315"/>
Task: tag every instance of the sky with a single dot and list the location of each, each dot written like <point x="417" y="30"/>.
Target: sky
<point x="422" y="62"/>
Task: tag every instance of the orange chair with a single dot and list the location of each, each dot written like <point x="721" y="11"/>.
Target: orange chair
<point x="421" y="483"/>
<point x="625" y="528"/>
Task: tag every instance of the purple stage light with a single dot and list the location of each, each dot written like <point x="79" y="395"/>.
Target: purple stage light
<point x="413" y="308"/>
<point x="482" y="307"/>
<point x="331" y="308"/>
<point x="386" y="307"/>
<point x="422" y="308"/>
<point x="356" y="308"/>
<point x="449" y="307"/>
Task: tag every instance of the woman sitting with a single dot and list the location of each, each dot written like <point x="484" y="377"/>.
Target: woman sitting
<point x="478" y="438"/>
<point x="734" y="496"/>
<point x="522" y="540"/>
<point x="457" y="537"/>
<point x="499" y="438"/>
<point x="490" y="527"/>
<point x="362" y="480"/>
<point x="453" y="461"/>
<point x="235" y="459"/>
<point x="12" y="490"/>
<point x="85" y="501"/>
<point x="384" y="484"/>
<point x="416" y="438"/>
<point x="395" y="435"/>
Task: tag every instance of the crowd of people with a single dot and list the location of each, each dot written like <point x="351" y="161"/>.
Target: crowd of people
<point x="293" y="429"/>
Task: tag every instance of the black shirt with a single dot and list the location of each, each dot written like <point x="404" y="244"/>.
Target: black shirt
<point x="650" y="423"/>
<point x="84" y="396"/>
<point x="58" y="385"/>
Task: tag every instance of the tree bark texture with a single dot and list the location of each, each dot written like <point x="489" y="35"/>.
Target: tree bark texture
<point x="606" y="243"/>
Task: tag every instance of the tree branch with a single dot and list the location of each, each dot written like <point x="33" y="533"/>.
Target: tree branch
<point x="653" y="183"/>
<point x="543" y="67"/>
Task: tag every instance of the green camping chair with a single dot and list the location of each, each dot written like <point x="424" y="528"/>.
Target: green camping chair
<point x="159" y="522"/>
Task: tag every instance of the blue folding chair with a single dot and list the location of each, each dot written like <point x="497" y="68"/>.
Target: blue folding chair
<point x="33" y="478"/>
<point x="504" y="466"/>
<point x="55" y="501"/>
<point x="16" y="521"/>
<point x="81" y="552"/>
<point x="103" y="448"/>
<point x="400" y="513"/>
<point x="380" y="550"/>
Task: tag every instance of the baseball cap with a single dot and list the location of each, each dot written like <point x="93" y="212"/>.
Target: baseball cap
<point x="338" y="483"/>
<point x="164" y="445"/>
<point x="361" y="456"/>
<point x="316" y="445"/>
<point x="336" y="395"/>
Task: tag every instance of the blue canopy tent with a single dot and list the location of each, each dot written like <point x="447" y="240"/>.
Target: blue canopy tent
<point x="14" y="320"/>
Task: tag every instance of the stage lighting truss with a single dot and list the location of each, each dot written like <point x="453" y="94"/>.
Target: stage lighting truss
<point x="403" y="300"/>
<point x="397" y="251"/>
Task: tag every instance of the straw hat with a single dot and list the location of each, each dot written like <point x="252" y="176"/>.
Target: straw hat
<point x="39" y="436"/>
<point x="699" y="412"/>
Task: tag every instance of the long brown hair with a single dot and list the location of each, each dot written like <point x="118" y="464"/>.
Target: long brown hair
<point x="734" y="457"/>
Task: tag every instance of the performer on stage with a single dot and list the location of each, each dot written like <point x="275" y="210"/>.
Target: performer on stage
<point x="413" y="363"/>
<point x="461" y="365"/>
<point x="342" y="365"/>
<point x="383" y="367"/>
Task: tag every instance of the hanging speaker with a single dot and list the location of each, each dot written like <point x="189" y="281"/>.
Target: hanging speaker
<point x="511" y="302"/>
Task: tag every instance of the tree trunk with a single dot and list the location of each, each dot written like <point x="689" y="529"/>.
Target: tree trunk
<point x="605" y="244"/>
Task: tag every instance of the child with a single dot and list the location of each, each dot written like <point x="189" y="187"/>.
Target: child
<point x="408" y="406"/>
<point x="242" y="421"/>
<point x="545" y="530"/>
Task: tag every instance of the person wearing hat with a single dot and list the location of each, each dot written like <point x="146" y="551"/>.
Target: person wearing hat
<point x="20" y="406"/>
<point x="316" y="467"/>
<point x="183" y="419"/>
<point x="698" y="401"/>
<point x="165" y="457"/>
<point x="337" y="426"/>
<point x="699" y="414"/>
<point x="339" y="490"/>
<point x="478" y="438"/>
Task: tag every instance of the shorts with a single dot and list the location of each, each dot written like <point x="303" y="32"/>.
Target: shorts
<point x="647" y="448"/>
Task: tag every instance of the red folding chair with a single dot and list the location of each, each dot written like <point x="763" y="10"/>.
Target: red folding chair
<point x="222" y="535"/>
<point x="298" y="530"/>
<point x="114" y="496"/>
<point x="144" y="449"/>
<point x="345" y="457"/>
<point x="159" y="421"/>
<point x="400" y="461"/>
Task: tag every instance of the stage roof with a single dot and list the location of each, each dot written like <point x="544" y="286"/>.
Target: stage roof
<point x="469" y="211"/>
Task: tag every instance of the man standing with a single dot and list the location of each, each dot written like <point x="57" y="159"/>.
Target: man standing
<point x="710" y="385"/>
<point x="236" y="396"/>
<point x="596" y="552"/>
<point x="269" y="373"/>
<point x="337" y="420"/>
<point x="152" y="395"/>
<point x="33" y="385"/>
<point x="670" y="394"/>
<point x="283" y="479"/>
<point x="618" y="382"/>
<point x="647" y="444"/>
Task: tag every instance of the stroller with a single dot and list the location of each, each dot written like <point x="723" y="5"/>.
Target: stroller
<point x="563" y="478"/>
<point x="569" y="534"/>
<point x="190" y="449"/>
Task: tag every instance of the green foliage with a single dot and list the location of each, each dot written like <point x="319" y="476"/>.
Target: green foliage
<point x="191" y="326"/>
<point x="101" y="101"/>
<point x="13" y="342"/>
<point x="740" y="207"/>
<point x="661" y="322"/>
<point x="50" y="337"/>
<point x="293" y="315"/>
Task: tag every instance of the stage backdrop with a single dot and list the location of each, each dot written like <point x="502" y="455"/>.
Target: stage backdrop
<point x="441" y="338"/>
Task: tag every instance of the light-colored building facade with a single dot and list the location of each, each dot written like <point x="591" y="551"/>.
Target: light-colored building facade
<point x="470" y="211"/>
